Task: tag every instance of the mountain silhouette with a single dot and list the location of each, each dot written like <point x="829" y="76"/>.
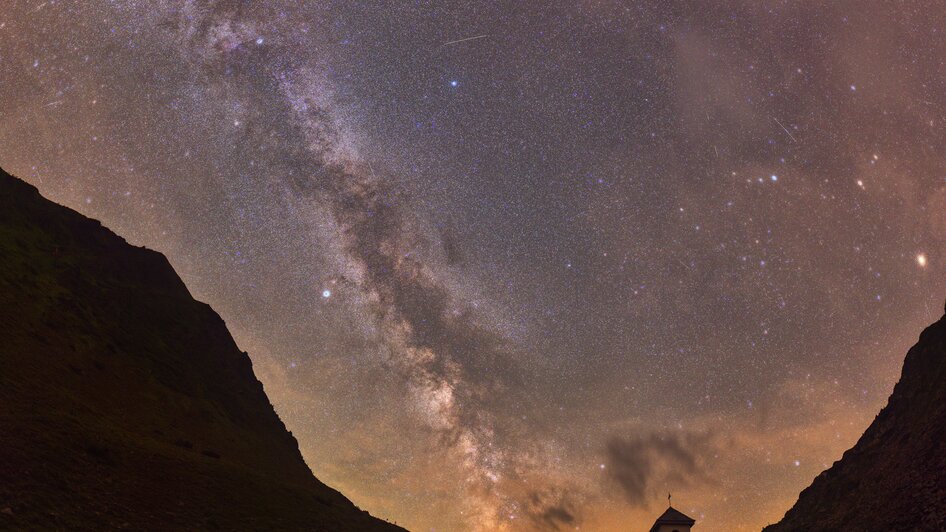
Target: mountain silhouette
<point x="125" y="403"/>
<point x="894" y="478"/>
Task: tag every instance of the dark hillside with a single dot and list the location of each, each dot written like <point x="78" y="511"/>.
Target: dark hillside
<point x="125" y="403"/>
<point x="894" y="478"/>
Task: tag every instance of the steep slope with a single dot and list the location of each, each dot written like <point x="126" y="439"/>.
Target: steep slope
<point x="894" y="478"/>
<point x="125" y="403"/>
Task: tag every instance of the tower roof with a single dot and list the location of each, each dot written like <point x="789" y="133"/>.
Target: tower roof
<point x="672" y="517"/>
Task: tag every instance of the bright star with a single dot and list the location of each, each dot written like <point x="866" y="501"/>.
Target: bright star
<point x="454" y="83"/>
<point x="326" y="293"/>
<point x="921" y="260"/>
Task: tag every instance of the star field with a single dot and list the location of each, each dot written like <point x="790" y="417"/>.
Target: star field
<point x="521" y="266"/>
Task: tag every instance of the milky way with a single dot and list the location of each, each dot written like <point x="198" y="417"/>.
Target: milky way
<point x="516" y="265"/>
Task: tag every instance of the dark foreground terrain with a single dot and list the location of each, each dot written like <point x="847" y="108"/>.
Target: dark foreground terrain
<point x="894" y="478"/>
<point x="125" y="403"/>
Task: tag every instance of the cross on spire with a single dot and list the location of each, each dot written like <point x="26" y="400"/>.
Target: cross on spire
<point x="668" y="498"/>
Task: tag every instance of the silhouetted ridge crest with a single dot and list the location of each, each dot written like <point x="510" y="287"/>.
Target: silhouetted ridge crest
<point x="894" y="478"/>
<point x="125" y="403"/>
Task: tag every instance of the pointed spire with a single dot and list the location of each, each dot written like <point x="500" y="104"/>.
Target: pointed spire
<point x="672" y="517"/>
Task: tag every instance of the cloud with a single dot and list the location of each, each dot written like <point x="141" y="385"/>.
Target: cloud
<point x="550" y="509"/>
<point x="644" y="465"/>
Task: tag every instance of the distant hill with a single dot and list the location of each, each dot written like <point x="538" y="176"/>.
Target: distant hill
<point x="125" y="403"/>
<point x="894" y="478"/>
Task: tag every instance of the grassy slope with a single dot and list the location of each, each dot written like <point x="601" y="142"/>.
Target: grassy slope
<point x="125" y="403"/>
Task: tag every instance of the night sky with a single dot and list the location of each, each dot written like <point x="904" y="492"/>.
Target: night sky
<point x="520" y="265"/>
